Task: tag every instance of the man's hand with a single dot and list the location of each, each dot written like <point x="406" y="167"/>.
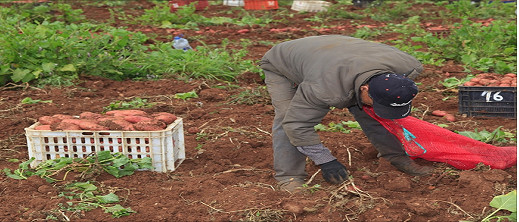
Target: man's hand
<point x="334" y="172"/>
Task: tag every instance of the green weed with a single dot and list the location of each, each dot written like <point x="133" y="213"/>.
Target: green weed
<point x="454" y="82"/>
<point x="135" y="103"/>
<point x="313" y="188"/>
<point x="497" y="136"/>
<point x="201" y="136"/>
<point x="390" y="12"/>
<point x="186" y="95"/>
<point x="37" y="13"/>
<point x="251" y="96"/>
<point x="202" y="63"/>
<point x="506" y="202"/>
<point x="484" y="10"/>
<point x="489" y="48"/>
<point x="338" y="11"/>
<point x="343" y="127"/>
<point x="115" y="164"/>
<point x="186" y="18"/>
<point x="366" y="33"/>
<point x="110" y="3"/>
<point x="55" y="53"/>
<point x="29" y="100"/>
<point x="85" y="196"/>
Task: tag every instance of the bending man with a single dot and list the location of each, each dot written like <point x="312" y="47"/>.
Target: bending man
<point x="305" y="77"/>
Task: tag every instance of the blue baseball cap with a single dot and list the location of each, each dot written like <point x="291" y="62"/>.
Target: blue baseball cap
<point x="392" y="95"/>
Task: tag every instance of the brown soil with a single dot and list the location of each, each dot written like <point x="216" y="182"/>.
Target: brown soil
<point x="231" y="178"/>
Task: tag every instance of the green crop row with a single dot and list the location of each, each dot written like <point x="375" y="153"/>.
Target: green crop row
<point x="54" y="52"/>
<point x="47" y="44"/>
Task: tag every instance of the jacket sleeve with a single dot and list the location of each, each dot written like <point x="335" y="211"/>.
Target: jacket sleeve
<point x="304" y="112"/>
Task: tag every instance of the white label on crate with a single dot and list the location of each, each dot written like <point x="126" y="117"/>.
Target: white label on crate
<point x="492" y="96"/>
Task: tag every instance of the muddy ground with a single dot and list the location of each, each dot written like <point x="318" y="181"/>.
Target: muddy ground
<point x="230" y="177"/>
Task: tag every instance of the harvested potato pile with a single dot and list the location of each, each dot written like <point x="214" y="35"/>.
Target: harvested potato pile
<point x="490" y="79"/>
<point x="125" y="120"/>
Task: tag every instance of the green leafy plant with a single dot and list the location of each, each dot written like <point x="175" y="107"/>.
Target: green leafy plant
<point x="367" y="33"/>
<point x="85" y="196"/>
<point x="343" y="127"/>
<point x="186" y="95"/>
<point x="203" y="63"/>
<point x="390" y="12"/>
<point x="36" y="13"/>
<point x="496" y="136"/>
<point x="338" y="11"/>
<point x="29" y="100"/>
<point x="60" y="51"/>
<point x="116" y="164"/>
<point x="489" y="48"/>
<point x="506" y="202"/>
<point x="313" y="188"/>
<point x="482" y="10"/>
<point x="454" y="82"/>
<point x="135" y="103"/>
<point x="186" y="18"/>
<point x="199" y="146"/>
<point x="252" y="96"/>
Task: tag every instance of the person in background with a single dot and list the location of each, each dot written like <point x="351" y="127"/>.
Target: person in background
<point x="308" y="76"/>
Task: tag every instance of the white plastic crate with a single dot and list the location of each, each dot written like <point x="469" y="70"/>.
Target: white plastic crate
<point x="309" y="6"/>
<point x="165" y="147"/>
<point x="233" y="2"/>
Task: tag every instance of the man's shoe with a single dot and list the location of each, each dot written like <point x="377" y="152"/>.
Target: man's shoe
<point x="291" y="185"/>
<point x="413" y="168"/>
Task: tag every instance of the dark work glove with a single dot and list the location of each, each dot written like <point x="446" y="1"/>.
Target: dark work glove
<point x="334" y="172"/>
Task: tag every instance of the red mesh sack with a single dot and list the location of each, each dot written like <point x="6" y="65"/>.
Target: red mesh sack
<point x="433" y="143"/>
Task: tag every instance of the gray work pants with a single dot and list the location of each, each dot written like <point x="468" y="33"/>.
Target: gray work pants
<point x="288" y="161"/>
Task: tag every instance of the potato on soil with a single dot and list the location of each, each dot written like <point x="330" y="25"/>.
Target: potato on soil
<point x="42" y="127"/>
<point x="136" y="119"/>
<point x="193" y="130"/>
<point x="151" y="125"/>
<point x="439" y="113"/>
<point x="129" y="112"/>
<point x="167" y="118"/>
<point x="48" y="120"/>
<point x="450" y="117"/>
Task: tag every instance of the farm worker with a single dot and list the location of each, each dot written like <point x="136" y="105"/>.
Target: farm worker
<point x="306" y="77"/>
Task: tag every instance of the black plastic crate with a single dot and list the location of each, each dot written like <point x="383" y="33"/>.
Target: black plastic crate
<point x="486" y="101"/>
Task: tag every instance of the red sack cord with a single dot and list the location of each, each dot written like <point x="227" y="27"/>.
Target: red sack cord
<point x="424" y="140"/>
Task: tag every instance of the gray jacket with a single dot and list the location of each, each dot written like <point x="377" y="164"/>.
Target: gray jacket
<point x="329" y="71"/>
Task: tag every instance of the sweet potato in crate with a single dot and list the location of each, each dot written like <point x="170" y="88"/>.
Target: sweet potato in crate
<point x="489" y="95"/>
<point x="165" y="147"/>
